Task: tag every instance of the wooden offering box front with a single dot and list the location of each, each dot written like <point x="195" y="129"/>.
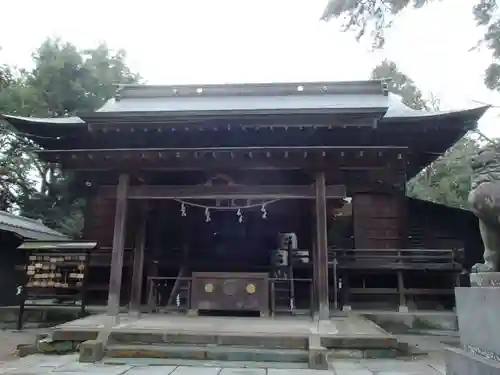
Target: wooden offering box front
<point x="230" y="291"/>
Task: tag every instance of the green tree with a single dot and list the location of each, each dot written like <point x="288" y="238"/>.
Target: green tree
<point x="446" y="180"/>
<point x="400" y="84"/>
<point x="63" y="82"/>
<point x="372" y="17"/>
<point x="70" y="80"/>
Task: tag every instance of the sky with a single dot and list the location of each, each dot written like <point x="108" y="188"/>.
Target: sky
<point x="222" y="41"/>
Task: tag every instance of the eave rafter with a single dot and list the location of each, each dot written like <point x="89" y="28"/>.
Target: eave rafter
<point x="162" y="124"/>
<point x="226" y="157"/>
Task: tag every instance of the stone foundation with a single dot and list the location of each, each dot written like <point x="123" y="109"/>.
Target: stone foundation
<point x="461" y="362"/>
<point x="478" y="309"/>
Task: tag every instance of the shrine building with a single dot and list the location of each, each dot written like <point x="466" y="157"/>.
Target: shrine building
<point x="259" y="199"/>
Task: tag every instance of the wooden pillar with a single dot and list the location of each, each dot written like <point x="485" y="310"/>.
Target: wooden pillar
<point x="138" y="267"/>
<point x="346" y="286"/>
<point x="401" y="292"/>
<point x="321" y="248"/>
<point x="115" y="279"/>
<point x="314" y="258"/>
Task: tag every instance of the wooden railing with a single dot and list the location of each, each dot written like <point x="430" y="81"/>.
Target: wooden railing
<point x="343" y="262"/>
<point x="398" y="259"/>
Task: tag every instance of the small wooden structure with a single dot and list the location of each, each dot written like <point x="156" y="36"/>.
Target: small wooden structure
<point x="14" y="230"/>
<point x="55" y="274"/>
<point x="187" y="179"/>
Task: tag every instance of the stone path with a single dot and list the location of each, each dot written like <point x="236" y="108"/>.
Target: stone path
<point x="68" y="365"/>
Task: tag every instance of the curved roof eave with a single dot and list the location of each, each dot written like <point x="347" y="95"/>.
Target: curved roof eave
<point x="49" y="120"/>
<point x="413" y="115"/>
<point x="392" y="115"/>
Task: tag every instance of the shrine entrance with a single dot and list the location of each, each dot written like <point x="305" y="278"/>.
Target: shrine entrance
<point x="198" y="207"/>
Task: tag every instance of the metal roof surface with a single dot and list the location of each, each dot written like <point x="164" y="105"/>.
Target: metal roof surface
<point x="249" y="98"/>
<point x="28" y="228"/>
<point x="57" y="245"/>
<point x="246" y="103"/>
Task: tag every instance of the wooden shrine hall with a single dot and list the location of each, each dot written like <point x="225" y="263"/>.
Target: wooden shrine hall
<point x="253" y="198"/>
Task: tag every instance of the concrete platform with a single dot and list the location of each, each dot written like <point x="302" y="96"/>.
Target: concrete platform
<point x="297" y="340"/>
<point x="347" y="331"/>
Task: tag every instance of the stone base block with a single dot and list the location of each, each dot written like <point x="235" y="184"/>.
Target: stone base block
<point x="318" y="358"/>
<point x="317" y="353"/>
<point x="485" y="279"/>
<point x="91" y="351"/>
<point x="460" y="362"/>
<point x="25" y="350"/>
<point x="477" y="312"/>
<point x="403" y="309"/>
<point x="48" y="346"/>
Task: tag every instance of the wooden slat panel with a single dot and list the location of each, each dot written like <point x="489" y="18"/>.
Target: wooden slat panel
<point x="378" y="221"/>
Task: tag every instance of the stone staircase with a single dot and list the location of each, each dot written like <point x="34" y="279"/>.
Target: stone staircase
<point x="210" y="347"/>
<point x="297" y="342"/>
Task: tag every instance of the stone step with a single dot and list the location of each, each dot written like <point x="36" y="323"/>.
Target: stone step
<point x="208" y="352"/>
<point x="434" y="332"/>
<point x="197" y="363"/>
<point x="252" y="340"/>
<point x="215" y="339"/>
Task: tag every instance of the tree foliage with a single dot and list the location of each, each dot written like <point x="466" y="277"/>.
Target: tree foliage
<point x="64" y="81"/>
<point x="446" y="180"/>
<point x="372" y="17"/>
<point x="400" y="84"/>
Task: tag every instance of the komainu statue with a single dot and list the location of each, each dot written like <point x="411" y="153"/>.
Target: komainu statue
<point x="484" y="199"/>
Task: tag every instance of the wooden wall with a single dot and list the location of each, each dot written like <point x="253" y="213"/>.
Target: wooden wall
<point x="388" y="221"/>
<point x="379" y="221"/>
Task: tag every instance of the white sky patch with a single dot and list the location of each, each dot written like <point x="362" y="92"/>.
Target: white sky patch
<point x="222" y="41"/>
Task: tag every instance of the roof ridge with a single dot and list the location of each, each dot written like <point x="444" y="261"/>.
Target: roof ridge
<point x="371" y="87"/>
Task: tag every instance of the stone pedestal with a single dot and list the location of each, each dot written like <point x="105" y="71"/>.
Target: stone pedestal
<point x="478" y="312"/>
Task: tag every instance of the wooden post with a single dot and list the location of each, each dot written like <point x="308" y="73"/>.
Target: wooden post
<point x="115" y="279"/>
<point x="346" y="300"/>
<point x="322" y="248"/>
<point x="401" y="288"/>
<point x="138" y="267"/>
<point x="401" y="291"/>
<point x="314" y="258"/>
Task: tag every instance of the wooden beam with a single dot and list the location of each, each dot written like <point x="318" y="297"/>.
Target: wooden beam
<point x="115" y="280"/>
<point x="322" y="248"/>
<point x="311" y="164"/>
<point x="138" y="265"/>
<point x="225" y="192"/>
<point x="265" y="158"/>
<point x="391" y="149"/>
